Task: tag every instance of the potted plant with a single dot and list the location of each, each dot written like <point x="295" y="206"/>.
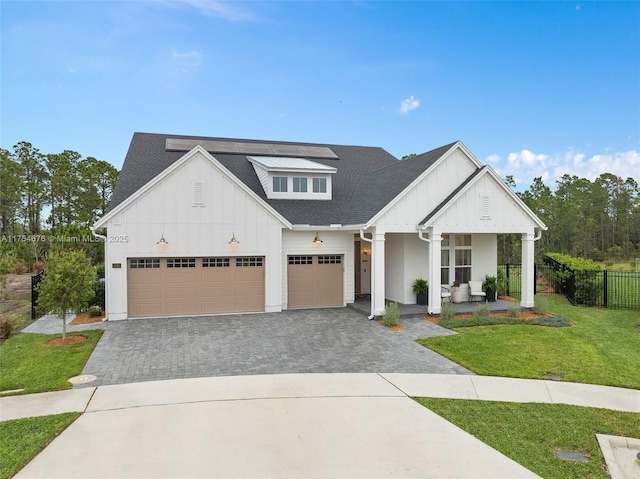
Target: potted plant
<point x="421" y="288"/>
<point x="490" y="286"/>
<point x="456" y="295"/>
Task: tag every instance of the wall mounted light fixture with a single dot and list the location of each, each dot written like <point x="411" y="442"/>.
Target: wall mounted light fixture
<point x="233" y="239"/>
<point x="162" y="240"/>
<point x="317" y="239"/>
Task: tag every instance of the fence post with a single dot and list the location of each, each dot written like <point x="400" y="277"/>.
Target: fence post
<point x="35" y="281"/>
<point x="508" y="281"/>
<point x="605" y="288"/>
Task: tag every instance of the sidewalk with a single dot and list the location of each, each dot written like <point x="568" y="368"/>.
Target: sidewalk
<point x="292" y="425"/>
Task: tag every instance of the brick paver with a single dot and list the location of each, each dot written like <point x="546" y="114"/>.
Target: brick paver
<point x="337" y="340"/>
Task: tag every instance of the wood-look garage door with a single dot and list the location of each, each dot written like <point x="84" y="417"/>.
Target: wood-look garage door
<point x="182" y="286"/>
<point x="315" y="281"/>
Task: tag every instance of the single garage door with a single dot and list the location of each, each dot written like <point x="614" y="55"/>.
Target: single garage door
<point x="183" y="286"/>
<point x="315" y="281"/>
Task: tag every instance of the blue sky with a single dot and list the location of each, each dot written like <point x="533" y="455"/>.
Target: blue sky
<point x="533" y="88"/>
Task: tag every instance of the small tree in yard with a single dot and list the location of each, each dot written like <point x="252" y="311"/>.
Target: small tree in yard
<point x="67" y="284"/>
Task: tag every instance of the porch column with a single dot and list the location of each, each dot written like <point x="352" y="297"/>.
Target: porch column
<point x="377" y="274"/>
<point x="528" y="260"/>
<point x="435" y="263"/>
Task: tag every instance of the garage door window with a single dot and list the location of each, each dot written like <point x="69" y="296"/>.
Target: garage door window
<point x="144" y="263"/>
<point x="241" y="262"/>
<point x="215" y="262"/>
<point x="331" y="259"/>
<point x="181" y="263"/>
<point x="300" y="259"/>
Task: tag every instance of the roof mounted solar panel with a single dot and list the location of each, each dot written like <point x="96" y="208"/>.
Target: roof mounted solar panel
<point x="250" y="148"/>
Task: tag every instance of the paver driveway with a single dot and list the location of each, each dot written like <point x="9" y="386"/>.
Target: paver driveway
<point x="336" y="340"/>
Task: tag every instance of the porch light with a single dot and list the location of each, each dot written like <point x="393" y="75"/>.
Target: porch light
<point x="317" y="239"/>
<point x="233" y="239"/>
<point x="162" y="241"/>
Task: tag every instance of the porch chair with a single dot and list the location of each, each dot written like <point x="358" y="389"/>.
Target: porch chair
<point x="475" y="289"/>
<point x="445" y="293"/>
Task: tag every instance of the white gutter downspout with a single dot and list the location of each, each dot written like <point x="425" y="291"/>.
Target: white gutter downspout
<point x="538" y="236"/>
<point x="373" y="276"/>
<point x="100" y="237"/>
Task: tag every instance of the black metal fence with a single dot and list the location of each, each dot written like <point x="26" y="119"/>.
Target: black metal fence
<point x="35" y="281"/>
<point x="598" y="288"/>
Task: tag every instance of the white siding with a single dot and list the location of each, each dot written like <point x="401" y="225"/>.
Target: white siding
<point x="420" y="200"/>
<point x="468" y="213"/>
<point x="407" y="259"/>
<point x="333" y="242"/>
<point x="167" y="210"/>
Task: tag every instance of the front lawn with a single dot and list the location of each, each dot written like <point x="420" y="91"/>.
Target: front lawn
<point x="29" y="363"/>
<point x="603" y="347"/>
<point x="530" y="433"/>
<point x="22" y="439"/>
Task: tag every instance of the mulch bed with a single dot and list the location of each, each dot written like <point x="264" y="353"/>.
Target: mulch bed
<point x="521" y="315"/>
<point x="397" y="327"/>
<point x="66" y="341"/>
<point x="84" y="318"/>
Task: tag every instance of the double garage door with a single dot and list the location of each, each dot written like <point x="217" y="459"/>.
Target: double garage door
<point x="183" y="286"/>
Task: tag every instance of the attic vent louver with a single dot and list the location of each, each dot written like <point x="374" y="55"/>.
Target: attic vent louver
<point x="485" y="207"/>
<point x="198" y="194"/>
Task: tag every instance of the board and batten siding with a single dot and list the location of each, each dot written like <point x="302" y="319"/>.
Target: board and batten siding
<point x="406" y="259"/>
<point x="192" y="229"/>
<point x="333" y="242"/>
<point x="484" y="207"/>
<point x="427" y="194"/>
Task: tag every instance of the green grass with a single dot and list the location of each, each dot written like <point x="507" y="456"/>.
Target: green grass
<point x="22" y="439"/>
<point x="530" y="433"/>
<point x="603" y="347"/>
<point x="27" y="361"/>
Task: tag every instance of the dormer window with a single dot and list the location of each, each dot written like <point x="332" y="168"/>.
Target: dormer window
<point x="319" y="185"/>
<point x="280" y="184"/>
<point x="293" y="178"/>
<point x="299" y="184"/>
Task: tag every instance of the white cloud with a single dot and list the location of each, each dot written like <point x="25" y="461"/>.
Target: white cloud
<point x="409" y="104"/>
<point x="525" y="165"/>
<point x="187" y="61"/>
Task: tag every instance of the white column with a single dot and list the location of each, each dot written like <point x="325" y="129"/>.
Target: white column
<point x="528" y="265"/>
<point x="378" y="287"/>
<point x="435" y="263"/>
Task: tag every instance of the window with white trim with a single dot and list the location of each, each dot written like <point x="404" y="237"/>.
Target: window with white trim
<point x="280" y="184"/>
<point x="299" y="184"/>
<point x="463" y="258"/>
<point x="319" y="185"/>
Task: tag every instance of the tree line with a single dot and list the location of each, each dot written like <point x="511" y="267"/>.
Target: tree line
<point x="73" y="190"/>
<point x="598" y="220"/>
<point x="48" y="198"/>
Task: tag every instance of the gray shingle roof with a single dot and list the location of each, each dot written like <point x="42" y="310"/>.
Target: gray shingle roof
<point x="366" y="180"/>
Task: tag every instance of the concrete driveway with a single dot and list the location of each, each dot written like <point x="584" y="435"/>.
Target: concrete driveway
<point x="336" y="340"/>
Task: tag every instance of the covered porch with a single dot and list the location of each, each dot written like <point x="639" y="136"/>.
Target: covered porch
<point x="362" y="304"/>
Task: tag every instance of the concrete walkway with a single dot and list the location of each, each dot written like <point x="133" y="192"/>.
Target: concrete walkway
<point x="296" y="425"/>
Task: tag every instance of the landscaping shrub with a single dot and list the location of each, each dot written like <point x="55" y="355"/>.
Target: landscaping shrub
<point x="391" y="315"/>
<point x="482" y="312"/>
<point x="514" y="310"/>
<point x="6" y="327"/>
<point x="95" y="311"/>
<point x="447" y="311"/>
<point x="548" y="321"/>
<point x="98" y="294"/>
